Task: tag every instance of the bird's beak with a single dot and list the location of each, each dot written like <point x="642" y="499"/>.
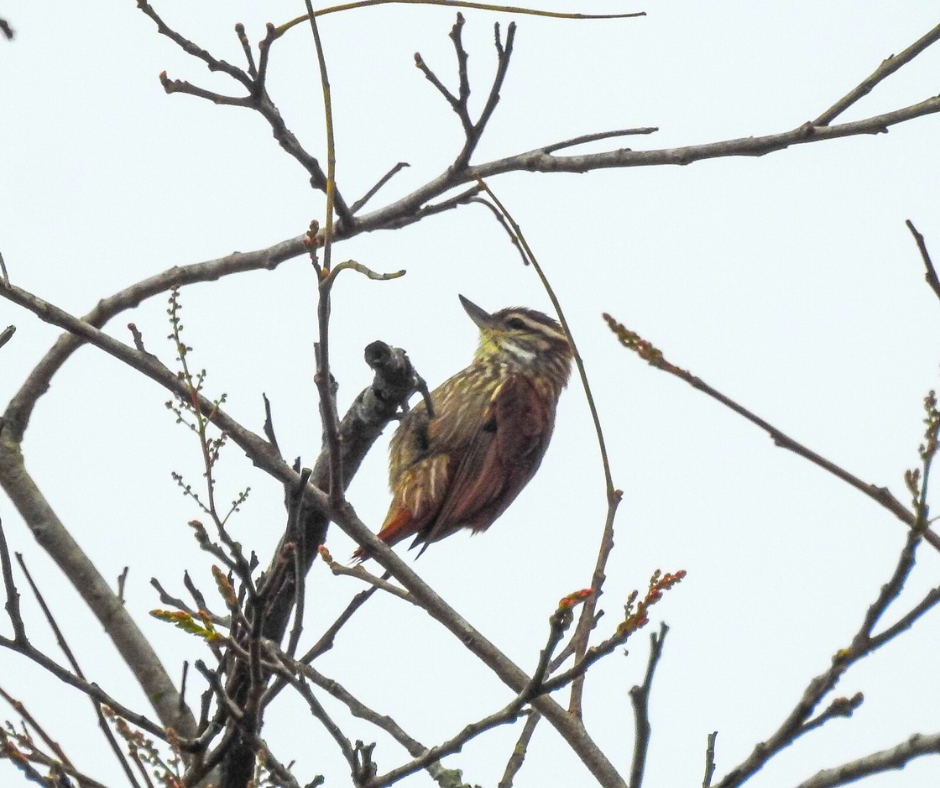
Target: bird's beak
<point x="481" y="317"/>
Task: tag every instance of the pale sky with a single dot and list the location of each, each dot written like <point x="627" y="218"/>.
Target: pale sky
<point x="789" y="282"/>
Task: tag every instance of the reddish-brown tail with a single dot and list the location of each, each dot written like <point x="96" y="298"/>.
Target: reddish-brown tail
<point x="398" y="525"/>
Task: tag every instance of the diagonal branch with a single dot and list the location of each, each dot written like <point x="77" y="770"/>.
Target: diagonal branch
<point x="881" y="495"/>
<point x="70" y="656"/>
<point x="896" y="757"/>
<point x="7" y="334"/>
<point x="558" y="624"/>
<point x="360" y="203"/>
<point x="931" y="273"/>
<point x="863" y="643"/>
<point x="888" y="66"/>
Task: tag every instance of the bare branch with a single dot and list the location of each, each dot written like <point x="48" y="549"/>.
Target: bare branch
<point x="839" y="707"/>
<point x="332" y="728"/>
<point x="519" y="751"/>
<point x="360" y="203"/>
<point x="171" y="86"/>
<point x="710" y="760"/>
<point x="505" y="225"/>
<point x="457" y="4"/>
<point x="602" y="135"/>
<point x="931" y="273"/>
<point x="212" y="63"/>
<point x="640" y="697"/>
<point x="269" y="425"/>
<point x="888" y="66"/>
<point x="246" y="48"/>
<point x="257" y="98"/>
<point x="863" y="643"/>
<point x="7" y="334"/>
<point x="586" y="622"/>
<point x="881" y="495"/>
<point x="558" y="624"/>
<point x="70" y="656"/>
<point x="13" y="597"/>
<point x="330" y="144"/>
<point x="296" y="508"/>
<point x="325" y="643"/>
<point x="360" y="573"/>
<point x="28" y="718"/>
<point x="895" y="758"/>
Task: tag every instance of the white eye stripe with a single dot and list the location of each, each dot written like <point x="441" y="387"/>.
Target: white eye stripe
<point x="535" y="325"/>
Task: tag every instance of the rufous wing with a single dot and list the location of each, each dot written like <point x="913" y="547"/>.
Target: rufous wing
<point x="498" y="461"/>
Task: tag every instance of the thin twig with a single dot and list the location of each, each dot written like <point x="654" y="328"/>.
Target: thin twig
<point x="559" y="622"/>
<point x="585" y="623"/>
<point x="799" y="721"/>
<point x="519" y="751"/>
<point x="360" y="573"/>
<point x="457" y="4"/>
<point x="896" y="757"/>
<point x="360" y="203"/>
<point x="269" y="425"/>
<point x="70" y="656"/>
<point x="505" y="225"/>
<point x="246" y="48"/>
<point x="316" y="708"/>
<point x="13" y="596"/>
<point x="888" y="66"/>
<point x="863" y="643"/>
<point x="325" y="643"/>
<point x="330" y="142"/>
<point x="601" y="135"/>
<point x="7" y="334"/>
<point x="640" y="697"/>
<point x="297" y="495"/>
<point x="709" y="760"/>
<point x="323" y="377"/>
<point x="352" y="265"/>
<point x="212" y="63"/>
<point x="28" y="718"/>
<point x="931" y="273"/>
<point x="881" y="495"/>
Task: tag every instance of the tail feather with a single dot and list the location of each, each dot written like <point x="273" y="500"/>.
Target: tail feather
<point x="397" y="526"/>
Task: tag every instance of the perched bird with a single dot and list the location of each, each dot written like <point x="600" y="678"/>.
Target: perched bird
<point x="492" y="423"/>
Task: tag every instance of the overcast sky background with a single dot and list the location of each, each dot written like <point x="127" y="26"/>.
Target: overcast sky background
<point x="789" y="282"/>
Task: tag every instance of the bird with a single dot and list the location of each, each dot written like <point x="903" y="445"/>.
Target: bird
<point x="464" y="463"/>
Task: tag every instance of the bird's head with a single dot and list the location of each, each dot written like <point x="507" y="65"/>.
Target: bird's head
<point x="521" y="337"/>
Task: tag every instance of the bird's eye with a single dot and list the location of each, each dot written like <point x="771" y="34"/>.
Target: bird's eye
<point x="515" y="323"/>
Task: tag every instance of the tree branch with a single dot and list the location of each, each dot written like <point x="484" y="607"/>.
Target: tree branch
<point x="895" y="758"/>
<point x="881" y="495"/>
<point x="863" y="643"/>
<point x="640" y="698"/>
<point x="931" y="273"/>
<point x="614" y="496"/>
<point x="888" y="66"/>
